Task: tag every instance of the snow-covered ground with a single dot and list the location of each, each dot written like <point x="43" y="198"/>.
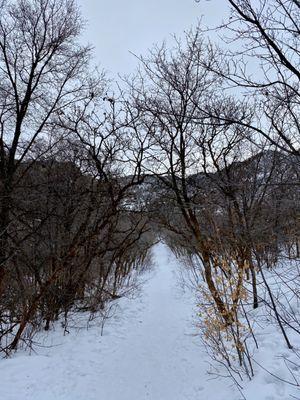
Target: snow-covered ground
<point x="149" y="350"/>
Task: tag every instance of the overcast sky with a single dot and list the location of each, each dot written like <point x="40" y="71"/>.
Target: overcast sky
<point x="116" y="27"/>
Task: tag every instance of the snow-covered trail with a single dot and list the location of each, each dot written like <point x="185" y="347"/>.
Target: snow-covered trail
<point x="149" y="352"/>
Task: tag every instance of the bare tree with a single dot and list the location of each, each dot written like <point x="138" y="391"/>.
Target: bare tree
<point x="263" y="60"/>
<point x="170" y="97"/>
<point x="42" y="72"/>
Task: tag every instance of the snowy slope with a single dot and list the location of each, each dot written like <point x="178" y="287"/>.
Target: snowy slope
<point x="149" y="351"/>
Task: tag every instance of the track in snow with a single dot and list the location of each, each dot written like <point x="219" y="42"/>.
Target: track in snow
<point x="150" y="352"/>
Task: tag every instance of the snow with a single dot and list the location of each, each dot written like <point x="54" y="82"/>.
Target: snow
<point x="277" y="368"/>
<point x="150" y="350"/>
